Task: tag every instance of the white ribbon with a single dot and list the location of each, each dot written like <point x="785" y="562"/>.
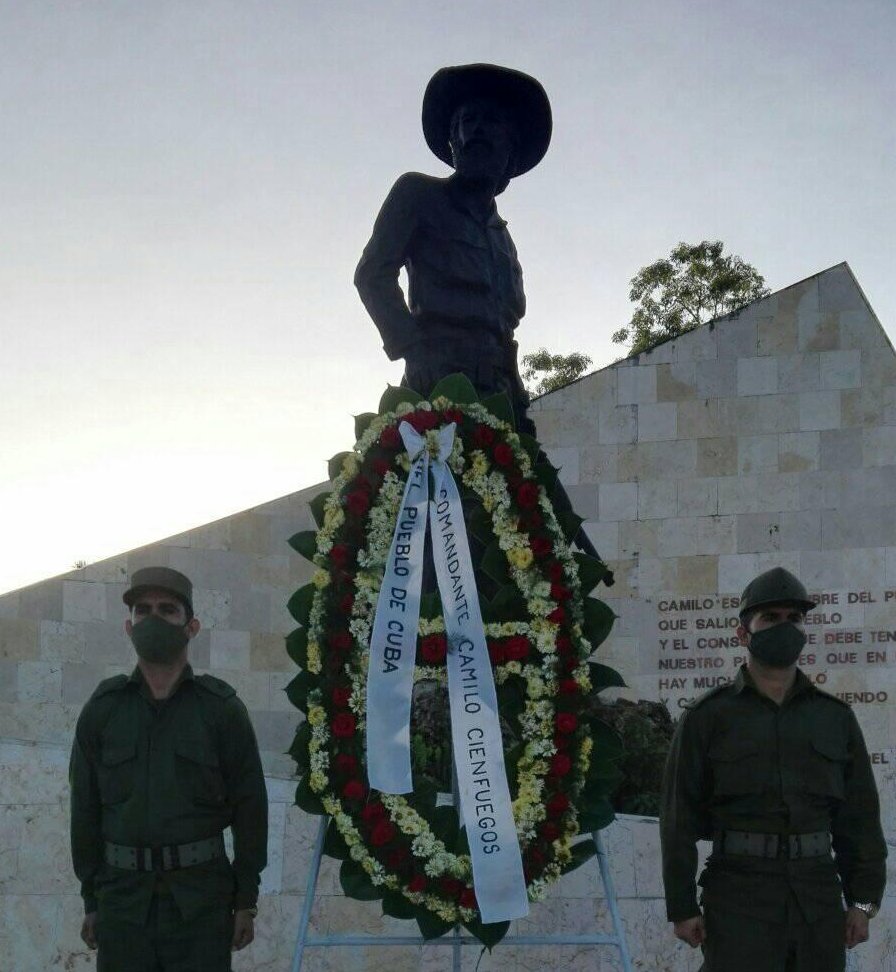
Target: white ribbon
<point x="475" y="728"/>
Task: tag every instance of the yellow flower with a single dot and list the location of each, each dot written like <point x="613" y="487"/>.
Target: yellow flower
<point x="316" y="715"/>
<point x="520" y="557"/>
<point x="488" y="502"/>
<point x="314" y="660"/>
<point x="320" y="579"/>
<point x="350" y="465"/>
<point x="479" y="465"/>
<point x="318" y="782"/>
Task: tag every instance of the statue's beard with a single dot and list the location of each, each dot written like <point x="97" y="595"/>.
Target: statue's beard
<point x="479" y="163"/>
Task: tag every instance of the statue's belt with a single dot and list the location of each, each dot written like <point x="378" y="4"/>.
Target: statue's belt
<point x="166" y="858"/>
<point x="791" y="846"/>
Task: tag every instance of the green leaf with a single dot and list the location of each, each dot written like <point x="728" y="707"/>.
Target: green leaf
<point x="598" y="621"/>
<point x="362" y="422"/>
<point x="596" y="817"/>
<point x="299" y="605"/>
<point x="494" y="563"/>
<point x="307" y="799"/>
<point x="430" y="606"/>
<point x="602" y="677"/>
<point x="507" y="604"/>
<point x="546" y="474"/>
<point x="334" y="844"/>
<point x="512" y="698"/>
<point x="530" y="444"/>
<point x="445" y="824"/>
<point x="299" y="748"/>
<point x="591" y="571"/>
<point x="304" y="543"/>
<point x="297" y="646"/>
<point x="480" y="524"/>
<point x="569" y="523"/>
<point x="356" y="883"/>
<point x="396" y="905"/>
<point x="394" y="396"/>
<point x="489" y="935"/>
<point x="334" y="466"/>
<point x="317" y="507"/>
<point x="499" y="405"/>
<point x="456" y="388"/>
<point x="583" y="851"/>
<point x="606" y="739"/>
<point x="431" y="926"/>
<point x="298" y="689"/>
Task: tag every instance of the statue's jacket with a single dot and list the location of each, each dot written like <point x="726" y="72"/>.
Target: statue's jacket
<point x="740" y="762"/>
<point x="463" y="273"/>
<point x="151" y="774"/>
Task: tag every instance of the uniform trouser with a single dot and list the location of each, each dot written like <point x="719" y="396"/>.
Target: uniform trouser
<point x="167" y="942"/>
<point x="736" y="942"/>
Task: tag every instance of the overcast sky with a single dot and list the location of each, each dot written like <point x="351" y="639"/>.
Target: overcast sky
<point x="185" y="189"/>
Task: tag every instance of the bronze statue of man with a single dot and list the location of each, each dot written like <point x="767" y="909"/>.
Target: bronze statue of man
<point x="465" y="285"/>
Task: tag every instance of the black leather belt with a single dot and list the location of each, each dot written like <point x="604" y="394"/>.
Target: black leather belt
<point x="167" y="858"/>
<point x="790" y="846"/>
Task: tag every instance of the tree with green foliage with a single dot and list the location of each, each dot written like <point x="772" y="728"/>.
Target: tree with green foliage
<point x="695" y="284"/>
<point x="556" y="370"/>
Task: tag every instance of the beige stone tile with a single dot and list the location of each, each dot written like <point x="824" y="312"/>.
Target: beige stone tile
<point x="757" y="454"/>
<point x="19" y="639"/>
<point x="638" y="538"/>
<point x="636" y="385"/>
<point x="33" y="774"/>
<point x="83" y="601"/>
<point x="757" y="376"/>
<point x="699" y="573"/>
<point x="45" y="845"/>
<point x="9" y="605"/>
<point x="270" y="571"/>
<point x="229" y="650"/>
<point x="798" y="451"/>
<point x="210" y="536"/>
<point x="268" y="653"/>
<point x="676" y="382"/>
<point x="819" y="331"/>
<point x="50" y="722"/>
<point x="657" y="421"/>
<point x="598" y="463"/>
<point x="819" y="410"/>
<point x="777" y="335"/>
<point x="617" y="425"/>
<point x="698" y="496"/>
<point x="699" y="419"/>
<point x="62" y="641"/>
<point x="250" y="533"/>
<point x="28" y="925"/>
<point x="40" y="681"/>
<point x="760" y="414"/>
<point x="276" y="929"/>
<point x="111" y="571"/>
<point x="717" y="456"/>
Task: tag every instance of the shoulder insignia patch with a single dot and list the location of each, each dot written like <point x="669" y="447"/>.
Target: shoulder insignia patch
<point x="217" y="686"/>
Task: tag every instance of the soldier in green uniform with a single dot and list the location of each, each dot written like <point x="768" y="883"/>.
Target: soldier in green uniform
<point x="775" y="772"/>
<point x="163" y="761"/>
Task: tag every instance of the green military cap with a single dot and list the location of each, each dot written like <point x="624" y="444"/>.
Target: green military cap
<point x="163" y="578"/>
<point x="775" y="586"/>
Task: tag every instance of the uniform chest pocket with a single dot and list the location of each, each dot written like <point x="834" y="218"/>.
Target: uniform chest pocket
<point x="737" y="767"/>
<point x="824" y="768"/>
<point x="457" y="253"/>
<point x="115" y="772"/>
<point x="199" y="773"/>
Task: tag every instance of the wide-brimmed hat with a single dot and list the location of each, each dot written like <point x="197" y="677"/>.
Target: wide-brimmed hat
<point x="521" y="95"/>
<point x="161" y="578"/>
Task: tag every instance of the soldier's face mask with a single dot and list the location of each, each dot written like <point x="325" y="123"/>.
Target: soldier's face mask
<point x="158" y="641"/>
<point x="778" y="646"/>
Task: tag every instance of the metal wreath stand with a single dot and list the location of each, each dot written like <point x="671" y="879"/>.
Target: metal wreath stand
<point x="456" y="940"/>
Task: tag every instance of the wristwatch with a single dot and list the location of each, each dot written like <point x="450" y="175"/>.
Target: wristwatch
<point x="870" y="909"/>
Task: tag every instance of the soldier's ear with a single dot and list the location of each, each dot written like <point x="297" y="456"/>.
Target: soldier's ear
<point x="128" y="627"/>
<point x="193" y="627"/>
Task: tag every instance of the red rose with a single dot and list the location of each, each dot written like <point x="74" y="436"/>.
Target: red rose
<point x="569" y="686"/>
<point x="417" y="884"/>
<point x="558" y="615"/>
<point x="559" y="592"/>
<point x="497" y="653"/>
<point x="339" y="641"/>
<point x="561" y="764"/>
<point x="353" y="790"/>
<point x="531" y="520"/>
<point x="341" y="695"/>
<point x="423" y="421"/>
<point x="434" y="648"/>
<point x="564" y="721"/>
<point x="344" y="725"/>
<point x="372" y="812"/>
<point x="517" y="648"/>
<point x="541" y="546"/>
<point x="555" y="571"/>
<point x="503" y="454"/>
<point x="396" y="858"/>
<point x="558" y="804"/>
<point x="380" y="467"/>
<point x="535" y="859"/>
<point x="357" y="503"/>
<point x="562" y="741"/>
<point x="390" y="437"/>
<point x="550" y="831"/>
<point x="467" y="898"/>
<point x="383" y="832"/>
<point x="345" y="763"/>
<point x="483" y="436"/>
<point x="340" y="555"/>
<point x="527" y="495"/>
<point x="451" y="887"/>
<point x="346" y="603"/>
<point x="453" y="415"/>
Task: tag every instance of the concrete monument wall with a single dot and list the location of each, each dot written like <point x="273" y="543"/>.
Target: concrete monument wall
<point x="769" y="437"/>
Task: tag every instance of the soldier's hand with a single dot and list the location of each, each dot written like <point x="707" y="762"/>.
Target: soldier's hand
<point x="691" y="930"/>
<point x="88" y="930"/>
<point x="856" y="927"/>
<point x="243" y="929"/>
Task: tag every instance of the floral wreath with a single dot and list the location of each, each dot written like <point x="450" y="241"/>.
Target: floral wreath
<point x="409" y="850"/>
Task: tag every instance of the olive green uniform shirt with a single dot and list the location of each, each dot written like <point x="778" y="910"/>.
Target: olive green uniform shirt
<point x="147" y="773"/>
<point x="741" y="762"/>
